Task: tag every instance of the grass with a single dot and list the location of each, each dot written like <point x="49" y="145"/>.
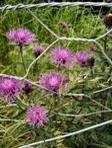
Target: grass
<point x="85" y="24"/>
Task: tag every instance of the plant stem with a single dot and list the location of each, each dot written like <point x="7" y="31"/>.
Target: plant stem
<point x="92" y="73"/>
<point x="105" y="43"/>
<point x="103" y="101"/>
<point x="22" y="58"/>
<point x="35" y="67"/>
<point x="23" y="102"/>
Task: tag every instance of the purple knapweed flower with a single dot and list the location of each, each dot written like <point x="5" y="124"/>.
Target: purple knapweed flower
<point x="82" y="57"/>
<point x="38" y="50"/>
<point x="53" y="81"/>
<point x="9" y="88"/>
<point x="37" y="116"/>
<point x="62" y="57"/>
<point x="27" y="87"/>
<point x="64" y="25"/>
<point x="21" y="36"/>
<point x="93" y="48"/>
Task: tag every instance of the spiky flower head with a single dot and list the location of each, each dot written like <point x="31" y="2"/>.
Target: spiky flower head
<point x="38" y="50"/>
<point x="53" y="81"/>
<point x="21" y="36"/>
<point x="36" y="116"/>
<point x="62" y="57"/>
<point x="108" y="20"/>
<point x="83" y="57"/>
<point x="9" y="88"/>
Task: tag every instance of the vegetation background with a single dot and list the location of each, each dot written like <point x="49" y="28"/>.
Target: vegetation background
<point x="86" y="22"/>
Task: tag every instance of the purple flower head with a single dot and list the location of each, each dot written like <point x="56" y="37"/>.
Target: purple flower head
<point x="36" y="116"/>
<point x="27" y="87"/>
<point x="82" y="57"/>
<point x="62" y="57"/>
<point x="93" y="48"/>
<point x="9" y="88"/>
<point x="21" y="36"/>
<point x="38" y="50"/>
<point x="65" y="26"/>
<point x="108" y="20"/>
<point x="52" y="81"/>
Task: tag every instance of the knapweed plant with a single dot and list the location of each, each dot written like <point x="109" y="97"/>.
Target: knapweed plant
<point x="65" y="85"/>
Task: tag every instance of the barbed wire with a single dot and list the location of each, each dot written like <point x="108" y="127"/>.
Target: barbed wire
<point x="53" y="4"/>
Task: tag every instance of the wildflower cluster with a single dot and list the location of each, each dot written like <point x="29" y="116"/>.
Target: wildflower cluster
<point x="11" y="88"/>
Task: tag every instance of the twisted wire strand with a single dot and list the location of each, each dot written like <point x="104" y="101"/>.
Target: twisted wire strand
<point x="12" y="120"/>
<point x="53" y="4"/>
<point x="67" y="135"/>
<point x="83" y="115"/>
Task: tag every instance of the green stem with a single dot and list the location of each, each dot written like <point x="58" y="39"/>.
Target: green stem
<point x="35" y="67"/>
<point x="22" y="58"/>
<point x="103" y="101"/>
<point x="22" y="102"/>
<point x="92" y="73"/>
